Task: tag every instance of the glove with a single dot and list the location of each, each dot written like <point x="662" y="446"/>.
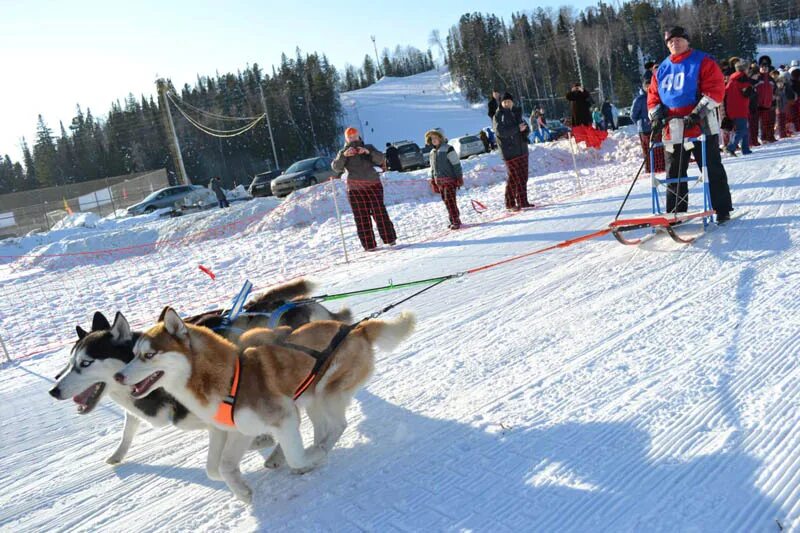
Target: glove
<point x="658" y="117"/>
<point x="692" y="120"/>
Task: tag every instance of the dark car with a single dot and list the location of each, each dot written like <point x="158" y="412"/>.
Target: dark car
<point x="426" y="155"/>
<point x="410" y="155"/>
<point x="302" y="174"/>
<point x="261" y="184"/>
<point x="166" y="197"/>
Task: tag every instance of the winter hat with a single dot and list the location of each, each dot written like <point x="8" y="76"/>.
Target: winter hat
<point x="431" y="133"/>
<point x="349" y="132"/>
<point x="676" y="31"/>
<point x="507" y="96"/>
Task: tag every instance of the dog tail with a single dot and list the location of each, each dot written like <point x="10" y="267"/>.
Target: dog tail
<point x="266" y="301"/>
<point x="343" y="315"/>
<point x="388" y="334"/>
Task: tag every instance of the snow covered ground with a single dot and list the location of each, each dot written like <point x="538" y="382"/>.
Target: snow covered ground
<point x="593" y="388"/>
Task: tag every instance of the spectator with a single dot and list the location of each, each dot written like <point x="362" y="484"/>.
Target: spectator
<point x="494" y="103"/>
<point x="393" y="157"/>
<point x="512" y="136"/>
<point x="364" y="189"/>
<point x="540" y="131"/>
<point x="753" y="119"/>
<point x="643" y="126"/>
<point x="485" y="140"/>
<point x="608" y="117"/>
<point x="597" y="119"/>
<point x="765" y="91"/>
<point x="492" y="138"/>
<point x="446" y="174"/>
<point x="216" y="186"/>
<point x="580" y="102"/>
<point x="701" y="78"/>
<point x="794" y="75"/>
<point x="737" y="107"/>
<point x="784" y="102"/>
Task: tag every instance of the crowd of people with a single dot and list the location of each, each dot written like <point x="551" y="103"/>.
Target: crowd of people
<point x="736" y="104"/>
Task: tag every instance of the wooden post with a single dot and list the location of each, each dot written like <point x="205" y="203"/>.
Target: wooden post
<point x="172" y="136"/>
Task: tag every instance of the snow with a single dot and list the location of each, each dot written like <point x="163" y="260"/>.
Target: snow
<point x="593" y="388"/>
<point x="780" y="54"/>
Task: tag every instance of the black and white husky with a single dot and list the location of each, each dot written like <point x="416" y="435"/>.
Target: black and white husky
<point x="106" y="349"/>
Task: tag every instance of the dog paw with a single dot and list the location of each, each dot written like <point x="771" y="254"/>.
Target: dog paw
<point x="114" y="460"/>
<point x="213" y="474"/>
<point x="245" y="495"/>
<point x="262" y="441"/>
<point x="275" y="459"/>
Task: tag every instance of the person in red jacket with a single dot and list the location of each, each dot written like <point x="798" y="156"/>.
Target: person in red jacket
<point x="688" y="88"/>
<point x="765" y="89"/>
<point x="737" y="107"/>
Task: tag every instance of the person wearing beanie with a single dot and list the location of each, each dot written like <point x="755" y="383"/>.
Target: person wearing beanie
<point x="639" y="116"/>
<point x="364" y="189"/>
<point x="446" y="174"/>
<point x="512" y="137"/>
<point x="687" y="89"/>
<point x="765" y="93"/>
<point x="737" y="107"/>
<point x="580" y="103"/>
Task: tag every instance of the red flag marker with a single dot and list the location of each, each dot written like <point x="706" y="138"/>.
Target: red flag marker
<point x="207" y="271"/>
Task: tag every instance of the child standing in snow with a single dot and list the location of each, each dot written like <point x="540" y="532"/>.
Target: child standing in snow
<point x="446" y="174"/>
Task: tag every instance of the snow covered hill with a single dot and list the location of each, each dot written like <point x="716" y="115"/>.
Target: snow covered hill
<point x="591" y="388"/>
<point x="397" y="109"/>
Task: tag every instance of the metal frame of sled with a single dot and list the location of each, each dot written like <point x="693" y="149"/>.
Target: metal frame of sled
<point x="660" y="221"/>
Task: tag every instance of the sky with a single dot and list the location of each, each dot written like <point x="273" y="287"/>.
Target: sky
<point x="99" y="51"/>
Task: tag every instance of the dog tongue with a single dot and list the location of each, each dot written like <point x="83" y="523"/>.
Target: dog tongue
<point x="83" y="397"/>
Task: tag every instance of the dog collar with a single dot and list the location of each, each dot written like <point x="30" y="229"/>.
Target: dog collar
<point x="224" y="413"/>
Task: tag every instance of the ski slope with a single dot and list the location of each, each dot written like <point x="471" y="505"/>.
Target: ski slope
<point x="396" y="109"/>
<point x="593" y="388"/>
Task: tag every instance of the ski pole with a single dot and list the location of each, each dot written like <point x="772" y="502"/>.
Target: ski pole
<point x="635" y="177"/>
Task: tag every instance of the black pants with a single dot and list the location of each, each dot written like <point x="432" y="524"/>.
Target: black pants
<point x="678" y="165"/>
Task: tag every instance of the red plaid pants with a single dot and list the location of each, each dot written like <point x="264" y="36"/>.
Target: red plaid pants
<point x="366" y="201"/>
<point x="517" y="183"/>
<point x="658" y="153"/>
<point x="767" y="119"/>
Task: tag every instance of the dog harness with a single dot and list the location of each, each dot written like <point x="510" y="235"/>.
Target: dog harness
<point x="224" y="413"/>
<point x="320" y="356"/>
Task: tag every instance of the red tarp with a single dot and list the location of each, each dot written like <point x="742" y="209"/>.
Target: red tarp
<point x="592" y="137"/>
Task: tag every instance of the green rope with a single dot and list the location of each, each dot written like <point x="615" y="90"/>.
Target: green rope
<point x="329" y="297"/>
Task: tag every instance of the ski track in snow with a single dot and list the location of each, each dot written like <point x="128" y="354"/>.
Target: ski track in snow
<point x="594" y="388"/>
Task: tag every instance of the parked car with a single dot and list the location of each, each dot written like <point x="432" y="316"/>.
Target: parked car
<point x="467" y="145"/>
<point x="557" y="130"/>
<point x="166" y="197"/>
<point x="302" y="174"/>
<point x="426" y="155"/>
<point x="260" y="186"/>
<point x="410" y="155"/>
<point x="624" y="120"/>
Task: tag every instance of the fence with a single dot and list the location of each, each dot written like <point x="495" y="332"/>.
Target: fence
<point x="38" y="210"/>
<point x="43" y="295"/>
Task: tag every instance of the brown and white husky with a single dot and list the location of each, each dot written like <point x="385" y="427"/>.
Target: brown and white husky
<point x="197" y="367"/>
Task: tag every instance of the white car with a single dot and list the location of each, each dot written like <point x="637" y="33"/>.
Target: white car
<point x="467" y="145"/>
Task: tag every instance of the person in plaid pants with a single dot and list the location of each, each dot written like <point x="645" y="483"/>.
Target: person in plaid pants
<point x="446" y="174"/>
<point x="364" y="189"/>
<point x="512" y="136"/>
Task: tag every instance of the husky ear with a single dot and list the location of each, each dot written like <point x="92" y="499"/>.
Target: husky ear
<point x="174" y="324"/>
<point x="163" y="313"/>
<point x="100" y="322"/>
<point x="81" y="332"/>
<point x="121" y="330"/>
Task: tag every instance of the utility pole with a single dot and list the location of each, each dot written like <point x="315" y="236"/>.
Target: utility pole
<point x="174" y="146"/>
<point x="377" y="61"/>
<point x="575" y="51"/>
<point x="269" y="125"/>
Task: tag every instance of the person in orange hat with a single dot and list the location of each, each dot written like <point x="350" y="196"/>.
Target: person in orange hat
<point x="364" y="189"/>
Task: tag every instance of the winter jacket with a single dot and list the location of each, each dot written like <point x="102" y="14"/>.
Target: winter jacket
<point x="737" y="101"/>
<point x="605" y="109"/>
<point x="710" y="92"/>
<point x="580" y="103"/>
<point x="513" y="143"/>
<point x="784" y="97"/>
<point x="393" y="158"/>
<point x="217" y="188"/>
<point x="445" y="165"/>
<point x="765" y="89"/>
<point x="494" y="105"/>
<point x="361" y="167"/>
<point x="639" y="113"/>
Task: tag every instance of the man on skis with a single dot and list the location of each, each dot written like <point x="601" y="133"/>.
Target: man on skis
<point x="688" y="87"/>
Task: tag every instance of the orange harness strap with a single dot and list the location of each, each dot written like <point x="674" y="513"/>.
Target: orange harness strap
<point x="224" y="413"/>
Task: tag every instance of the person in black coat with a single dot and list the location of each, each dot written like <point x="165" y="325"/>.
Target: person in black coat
<point x="580" y="103"/>
<point x="512" y="137"/>
<point x="494" y="103"/>
<point x="393" y="157"/>
<point x="216" y="186"/>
